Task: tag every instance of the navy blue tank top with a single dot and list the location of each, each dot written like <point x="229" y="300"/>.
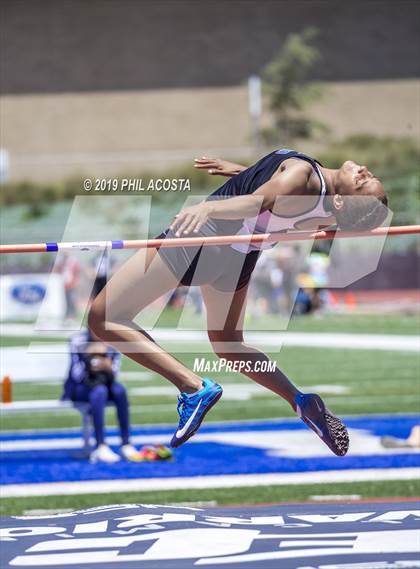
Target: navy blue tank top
<point x="249" y="180"/>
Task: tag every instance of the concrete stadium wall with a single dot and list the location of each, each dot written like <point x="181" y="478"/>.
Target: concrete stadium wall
<point x="74" y="45"/>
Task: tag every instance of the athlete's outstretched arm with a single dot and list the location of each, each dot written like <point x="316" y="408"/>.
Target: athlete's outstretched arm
<point x="218" y="167"/>
<point x="288" y="183"/>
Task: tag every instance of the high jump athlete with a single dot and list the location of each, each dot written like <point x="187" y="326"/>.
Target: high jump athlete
<point x="253" y="200"/>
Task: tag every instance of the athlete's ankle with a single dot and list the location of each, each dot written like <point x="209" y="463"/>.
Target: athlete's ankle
<point x="293" y="402"/>
<point x="190" y="387"/>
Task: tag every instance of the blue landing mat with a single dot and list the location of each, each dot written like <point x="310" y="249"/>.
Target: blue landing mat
<point x="295" y="536"/>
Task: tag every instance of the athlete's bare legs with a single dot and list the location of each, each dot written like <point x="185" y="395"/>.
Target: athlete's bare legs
<point x="225" y="316"/>
<point x="140" y="281"/>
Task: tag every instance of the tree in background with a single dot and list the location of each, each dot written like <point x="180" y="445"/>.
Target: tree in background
<point x="289" y="93"/>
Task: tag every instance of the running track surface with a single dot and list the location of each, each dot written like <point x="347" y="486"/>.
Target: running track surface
<point x="294" y="536"/>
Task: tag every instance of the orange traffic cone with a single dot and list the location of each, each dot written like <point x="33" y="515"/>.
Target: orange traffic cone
<point x="6" y="389"/>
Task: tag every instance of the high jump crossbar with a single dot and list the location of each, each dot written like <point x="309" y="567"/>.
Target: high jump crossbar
<point x="206" y="241"/>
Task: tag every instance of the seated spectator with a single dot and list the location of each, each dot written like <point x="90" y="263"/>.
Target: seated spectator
<point x="92" y="378"/>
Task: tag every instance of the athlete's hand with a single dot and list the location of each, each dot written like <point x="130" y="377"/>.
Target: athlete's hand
<point x="101" y="364"/>
<point x="190" y="219"/>
<point x="218" y="167"/>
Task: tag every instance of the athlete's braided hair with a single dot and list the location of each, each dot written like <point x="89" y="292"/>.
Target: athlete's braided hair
<point x="361" y="213"/>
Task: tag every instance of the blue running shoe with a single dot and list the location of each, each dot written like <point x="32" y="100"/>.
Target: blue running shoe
<point x="311" y="409"/>
<point x="193" y="408"/>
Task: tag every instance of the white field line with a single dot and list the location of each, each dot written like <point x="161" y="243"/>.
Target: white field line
<point x="43" y="361"/>
<point x="74" y="443"/>
<point x="403" y="343"/>
<point x="272" y="400"/>
<point x="335" y="497"/>
<point x="275" y="443"/>
<point x="136" y="375"/>
<point x="221" y="423"/>
<point x="202" y="482"/>
<point x="49" y="361"/>
<point x="54" y="408"/>
<point x="18" y="330"/>
<point x="275" y="402"/>
<point x="125" y="376"/>
<point x="234" y="391"/>
<point x="275" y="338"/>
